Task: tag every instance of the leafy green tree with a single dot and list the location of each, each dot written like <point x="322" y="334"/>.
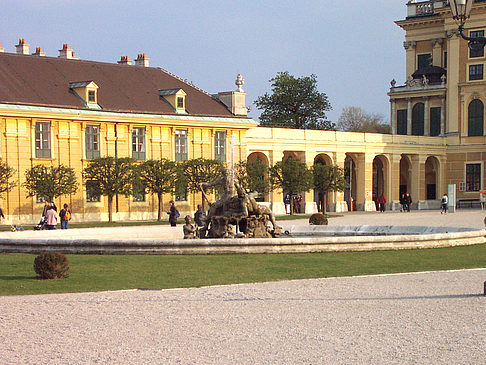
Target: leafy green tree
<point x="196" y="171"/>
<point x="6" y="175"/>
<point x="328" y="178"/>
<point x="158" y="177"/>
<point x="253" y="176"/>
<point x="355" y="119"/>
<point x="112" y="176"/>
<point x="50" y="182"/>
<point x="292" y="176"/>
<point x="294" y="103"/>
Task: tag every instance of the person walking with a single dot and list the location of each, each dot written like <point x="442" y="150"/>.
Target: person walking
<point x="444" y="204"/>
<point x="408" y="201"/>
<point x="52" y="218"/>
<point x="173" y="214"/>
<point x="287" y="203"/>
<point x="65" y="215"/>
<point x="299" y="200"/>
<point x="402" y="202"/>
<point x="381" y="202"/>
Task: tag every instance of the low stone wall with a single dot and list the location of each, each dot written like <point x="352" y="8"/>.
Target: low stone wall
<point x="311" y="242"/>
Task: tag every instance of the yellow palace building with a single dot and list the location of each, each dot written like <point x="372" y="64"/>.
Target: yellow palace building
<point x="63" y="110"/>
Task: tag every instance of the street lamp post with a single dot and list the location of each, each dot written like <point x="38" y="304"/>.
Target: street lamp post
<point x="461" y="11"/>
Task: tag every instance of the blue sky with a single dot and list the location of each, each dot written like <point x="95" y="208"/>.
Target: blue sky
<point x="353" y="46"/>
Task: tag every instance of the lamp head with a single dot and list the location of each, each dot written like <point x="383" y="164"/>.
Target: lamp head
<point x="461" y="10"/>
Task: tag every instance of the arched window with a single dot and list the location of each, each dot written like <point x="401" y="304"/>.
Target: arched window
<point x="475" y="119"/>
<point x="418" y="119"/>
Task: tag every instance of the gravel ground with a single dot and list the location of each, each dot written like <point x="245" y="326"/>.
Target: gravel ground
<point x="424" y="318"/>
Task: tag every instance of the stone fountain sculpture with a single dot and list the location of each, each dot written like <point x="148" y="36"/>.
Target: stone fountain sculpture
<point x="237" y="214"/>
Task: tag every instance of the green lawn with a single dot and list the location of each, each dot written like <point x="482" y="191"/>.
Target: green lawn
<point x="96" y="273"/>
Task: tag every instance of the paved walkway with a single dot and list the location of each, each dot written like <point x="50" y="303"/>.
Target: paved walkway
<point x="463" y="218"/>
<point x="427" y="318"/>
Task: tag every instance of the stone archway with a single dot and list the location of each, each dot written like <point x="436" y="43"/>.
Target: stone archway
<point x="323" y="159"/>
<point x="259" y="156"/>
<point x="405" y="175"/>
<point x="432" y="167"/>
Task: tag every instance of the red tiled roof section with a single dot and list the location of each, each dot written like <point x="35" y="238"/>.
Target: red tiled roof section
<point x="44" y="81"/>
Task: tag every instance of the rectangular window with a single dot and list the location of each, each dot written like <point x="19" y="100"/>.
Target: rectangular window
<point x="445" y="60"/>
<point x="43" y="140"/>
<point x="424" y="60"/>
<point x="91" y="96"/>
<point x="402" y="121"/>
<point x="473" y="53"/>
<point x="473" y="177"/>
<point x="92" y="191"/>
<point x="435" y="121"/>
<point x="220" y="146"/>
<point x="180" y="102"/>
<point x="475" y="72"/>
<point x="92" y="135"/>
<point x="138" y="191"/>
<point x="181" y="144"/>
<point x="138" y="143"/>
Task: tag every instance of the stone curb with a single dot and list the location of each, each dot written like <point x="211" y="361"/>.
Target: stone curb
<point x="243" y="246"/>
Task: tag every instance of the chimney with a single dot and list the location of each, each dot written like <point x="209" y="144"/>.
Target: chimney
<point x="38" y="52"/>
<point x="22" y="47"/>
<point x="142" y="60"/>
<point x="235" y="100"/>
<point x="1" y="49"/>
<point x="125" y="60"/>
<point x="67" y="53"/>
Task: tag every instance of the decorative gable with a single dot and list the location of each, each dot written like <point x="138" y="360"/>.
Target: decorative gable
<point x="176" y="98"/>
<point x="87" y="91"/>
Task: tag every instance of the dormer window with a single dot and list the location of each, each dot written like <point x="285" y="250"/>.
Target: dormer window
<point x="176" y="98"/>
<point x="87" y="91"/>
<point x="91" y="96"/>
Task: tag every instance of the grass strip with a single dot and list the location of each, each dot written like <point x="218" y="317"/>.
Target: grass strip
<point x="105" y="272"/>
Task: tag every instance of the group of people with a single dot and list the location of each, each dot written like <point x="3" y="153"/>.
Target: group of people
<point x="199" y="216"/>
<point x="50" y="216"/>
<point x="296" y="201"/>
<point x="405" y="202"/>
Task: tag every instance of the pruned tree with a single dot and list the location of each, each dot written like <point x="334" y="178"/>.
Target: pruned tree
<point x="197" y="171"/>
<point x="6" y="175"/>
<point x="328" y="178"/>
<point x="50" y="182"/>
<point x="253" y="176"/>
<point x="159" y="177"/>
<point x="294" y="103"/>
<point x="112" y="176"/>
<point x="356" y="119"/>
<point x="292" y="176"/>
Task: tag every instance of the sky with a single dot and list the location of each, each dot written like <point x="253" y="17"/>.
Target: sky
<point x="352" y="46"/>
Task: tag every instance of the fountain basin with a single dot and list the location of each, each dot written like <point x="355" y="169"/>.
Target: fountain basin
<point x="301" y="239"/>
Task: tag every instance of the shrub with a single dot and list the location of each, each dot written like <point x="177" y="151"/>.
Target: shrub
<point x="318" y="219"/>
<point x="51" y="265"/>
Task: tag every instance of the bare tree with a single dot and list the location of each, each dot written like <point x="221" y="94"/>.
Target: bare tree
<point x="356" y="119"/>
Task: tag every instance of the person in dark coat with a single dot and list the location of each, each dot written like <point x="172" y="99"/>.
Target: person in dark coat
<point x="287" y="203"/>
<point x="403" y="202"/>
<point x="173" y="214"/>
<point x="408" y="201"/>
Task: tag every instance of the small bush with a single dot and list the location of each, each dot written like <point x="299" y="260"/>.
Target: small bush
<point x="318" y="219"/>
<point x="51" y="265"/>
